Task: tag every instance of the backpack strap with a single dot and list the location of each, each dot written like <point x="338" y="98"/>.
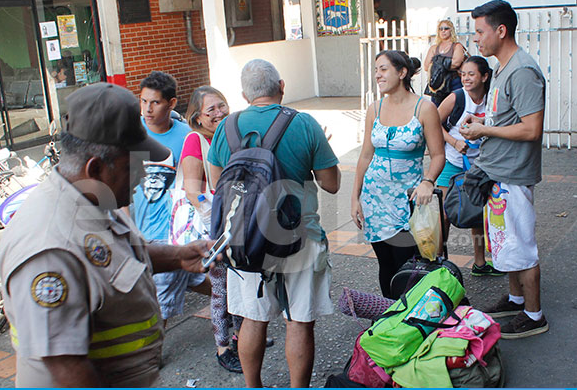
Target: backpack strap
<point x="282" y="295"/>
<point x="466" y="161"/>
<point x="458" y="109"/>
<point x="280" y="291"/>
<point x="278" y="127"/>
<point x="204" y="146"/>
<point x="232" y="132"/>
<point x="417" y="321"/>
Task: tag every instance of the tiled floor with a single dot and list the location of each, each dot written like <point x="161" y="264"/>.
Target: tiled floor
<point x="346" y="242"/>
<point x="7" y="365"/>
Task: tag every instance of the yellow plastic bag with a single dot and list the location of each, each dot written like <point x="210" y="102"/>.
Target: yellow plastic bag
<point x="425" y="228"/>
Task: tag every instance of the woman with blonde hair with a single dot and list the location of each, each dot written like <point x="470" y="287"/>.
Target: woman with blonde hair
<point x="206" y="109"/>
<point x="451" y="54"/>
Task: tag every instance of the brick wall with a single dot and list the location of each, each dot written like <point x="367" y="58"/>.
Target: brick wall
<point x="261" y="30"/>
<point x="161" y="45"/>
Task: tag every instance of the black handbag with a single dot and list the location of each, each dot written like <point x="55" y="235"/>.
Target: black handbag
<point x="460" y="211"/>
<point x="477" y="185"/>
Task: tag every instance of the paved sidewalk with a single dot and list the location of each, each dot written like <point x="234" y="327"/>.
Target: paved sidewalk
<point x="542" y="361"/>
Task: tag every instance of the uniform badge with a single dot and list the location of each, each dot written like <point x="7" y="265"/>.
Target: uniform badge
<point x="49" y="289"/>
<point x="96" y="250"/>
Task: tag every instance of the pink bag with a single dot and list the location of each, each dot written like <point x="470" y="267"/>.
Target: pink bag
<point x="477" y="327"/>
<point x="365" y="371"/>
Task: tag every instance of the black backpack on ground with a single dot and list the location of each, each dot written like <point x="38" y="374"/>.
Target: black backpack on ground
<point x="252" y="202"/>
<point x="417" y="267"/>
<point x="458" y="109"/>
<point x="340" y="381"/>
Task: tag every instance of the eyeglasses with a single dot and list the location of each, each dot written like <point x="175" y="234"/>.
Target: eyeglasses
<point x="444" y="28"/>
<point x="212" y="111"/>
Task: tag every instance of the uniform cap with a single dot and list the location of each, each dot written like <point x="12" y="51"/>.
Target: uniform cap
<point x="108" y="114"/>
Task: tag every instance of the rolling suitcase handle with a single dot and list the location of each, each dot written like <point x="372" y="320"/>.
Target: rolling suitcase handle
<point x="439" y="194"/>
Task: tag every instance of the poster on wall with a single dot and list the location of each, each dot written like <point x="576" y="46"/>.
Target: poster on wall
<point x="68" y="33"/>
<point x="48" y="29"/>
<point x="338" y="17"/>
<point x="469" y="5"/>
<point x="53" y="50"/>
<point x="80" y="73"/>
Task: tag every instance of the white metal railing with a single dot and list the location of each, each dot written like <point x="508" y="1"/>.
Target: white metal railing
<point x="546" y="35"/>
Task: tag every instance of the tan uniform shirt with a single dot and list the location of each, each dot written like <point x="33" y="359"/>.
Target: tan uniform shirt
<point x="78" y="281"/>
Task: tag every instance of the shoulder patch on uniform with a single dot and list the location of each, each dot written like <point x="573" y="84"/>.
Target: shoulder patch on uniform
<point x="96" y="250"/>
<point x="49" y="289"/>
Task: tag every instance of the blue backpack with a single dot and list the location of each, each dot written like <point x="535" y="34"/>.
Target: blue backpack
<point x="251" y="200"/>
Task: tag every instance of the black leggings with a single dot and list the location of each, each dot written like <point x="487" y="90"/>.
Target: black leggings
<point x="391" y="258"/>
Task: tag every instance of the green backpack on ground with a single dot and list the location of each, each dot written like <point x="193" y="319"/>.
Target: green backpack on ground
<point x="394" y="337"/>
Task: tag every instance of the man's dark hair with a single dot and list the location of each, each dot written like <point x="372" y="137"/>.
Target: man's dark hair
<point x="162" y="82"/>
<point x="496" y="13"/>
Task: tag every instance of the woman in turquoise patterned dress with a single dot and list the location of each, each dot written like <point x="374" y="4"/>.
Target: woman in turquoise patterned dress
<point x="397" y="130"/>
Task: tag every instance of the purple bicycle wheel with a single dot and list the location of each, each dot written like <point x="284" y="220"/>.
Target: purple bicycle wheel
<point x="13" y="202"/>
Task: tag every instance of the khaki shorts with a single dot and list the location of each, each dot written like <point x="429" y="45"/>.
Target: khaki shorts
<point x="307" y="279"/>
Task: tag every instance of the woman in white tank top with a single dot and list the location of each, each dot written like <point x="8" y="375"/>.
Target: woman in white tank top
<point x="476" y="78"/>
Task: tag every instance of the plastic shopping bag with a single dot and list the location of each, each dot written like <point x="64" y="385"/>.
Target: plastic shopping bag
<point x="425" y="228"/>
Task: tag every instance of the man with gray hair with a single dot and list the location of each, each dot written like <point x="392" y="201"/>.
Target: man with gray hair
<point x="304" y="155"/>
<point x="76" y="273"/>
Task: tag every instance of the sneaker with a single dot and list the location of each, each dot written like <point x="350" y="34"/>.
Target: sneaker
<point x="230" y="361"/>
<point x="504" y="308"/>
<point x="486" y="270"/>
<point x="523" y="326"/>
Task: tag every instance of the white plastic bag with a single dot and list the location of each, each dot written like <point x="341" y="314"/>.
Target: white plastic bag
<point x="425" y="228"/>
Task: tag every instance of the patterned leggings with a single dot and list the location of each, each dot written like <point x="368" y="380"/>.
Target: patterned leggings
<point x="218" y="307"/>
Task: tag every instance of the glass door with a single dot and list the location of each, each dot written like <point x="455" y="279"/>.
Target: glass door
<point x="69" y="32"/>
<point x="48" y="49"/>
<point x="25" y="114"/>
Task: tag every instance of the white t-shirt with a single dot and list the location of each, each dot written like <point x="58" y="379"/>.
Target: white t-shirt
<point x="451" y="153"/>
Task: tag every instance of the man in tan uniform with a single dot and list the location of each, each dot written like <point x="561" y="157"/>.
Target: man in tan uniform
<point x="76" y="273"/>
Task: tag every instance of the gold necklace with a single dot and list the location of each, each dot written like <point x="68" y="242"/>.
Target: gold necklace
<point x="447" y="49"/>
